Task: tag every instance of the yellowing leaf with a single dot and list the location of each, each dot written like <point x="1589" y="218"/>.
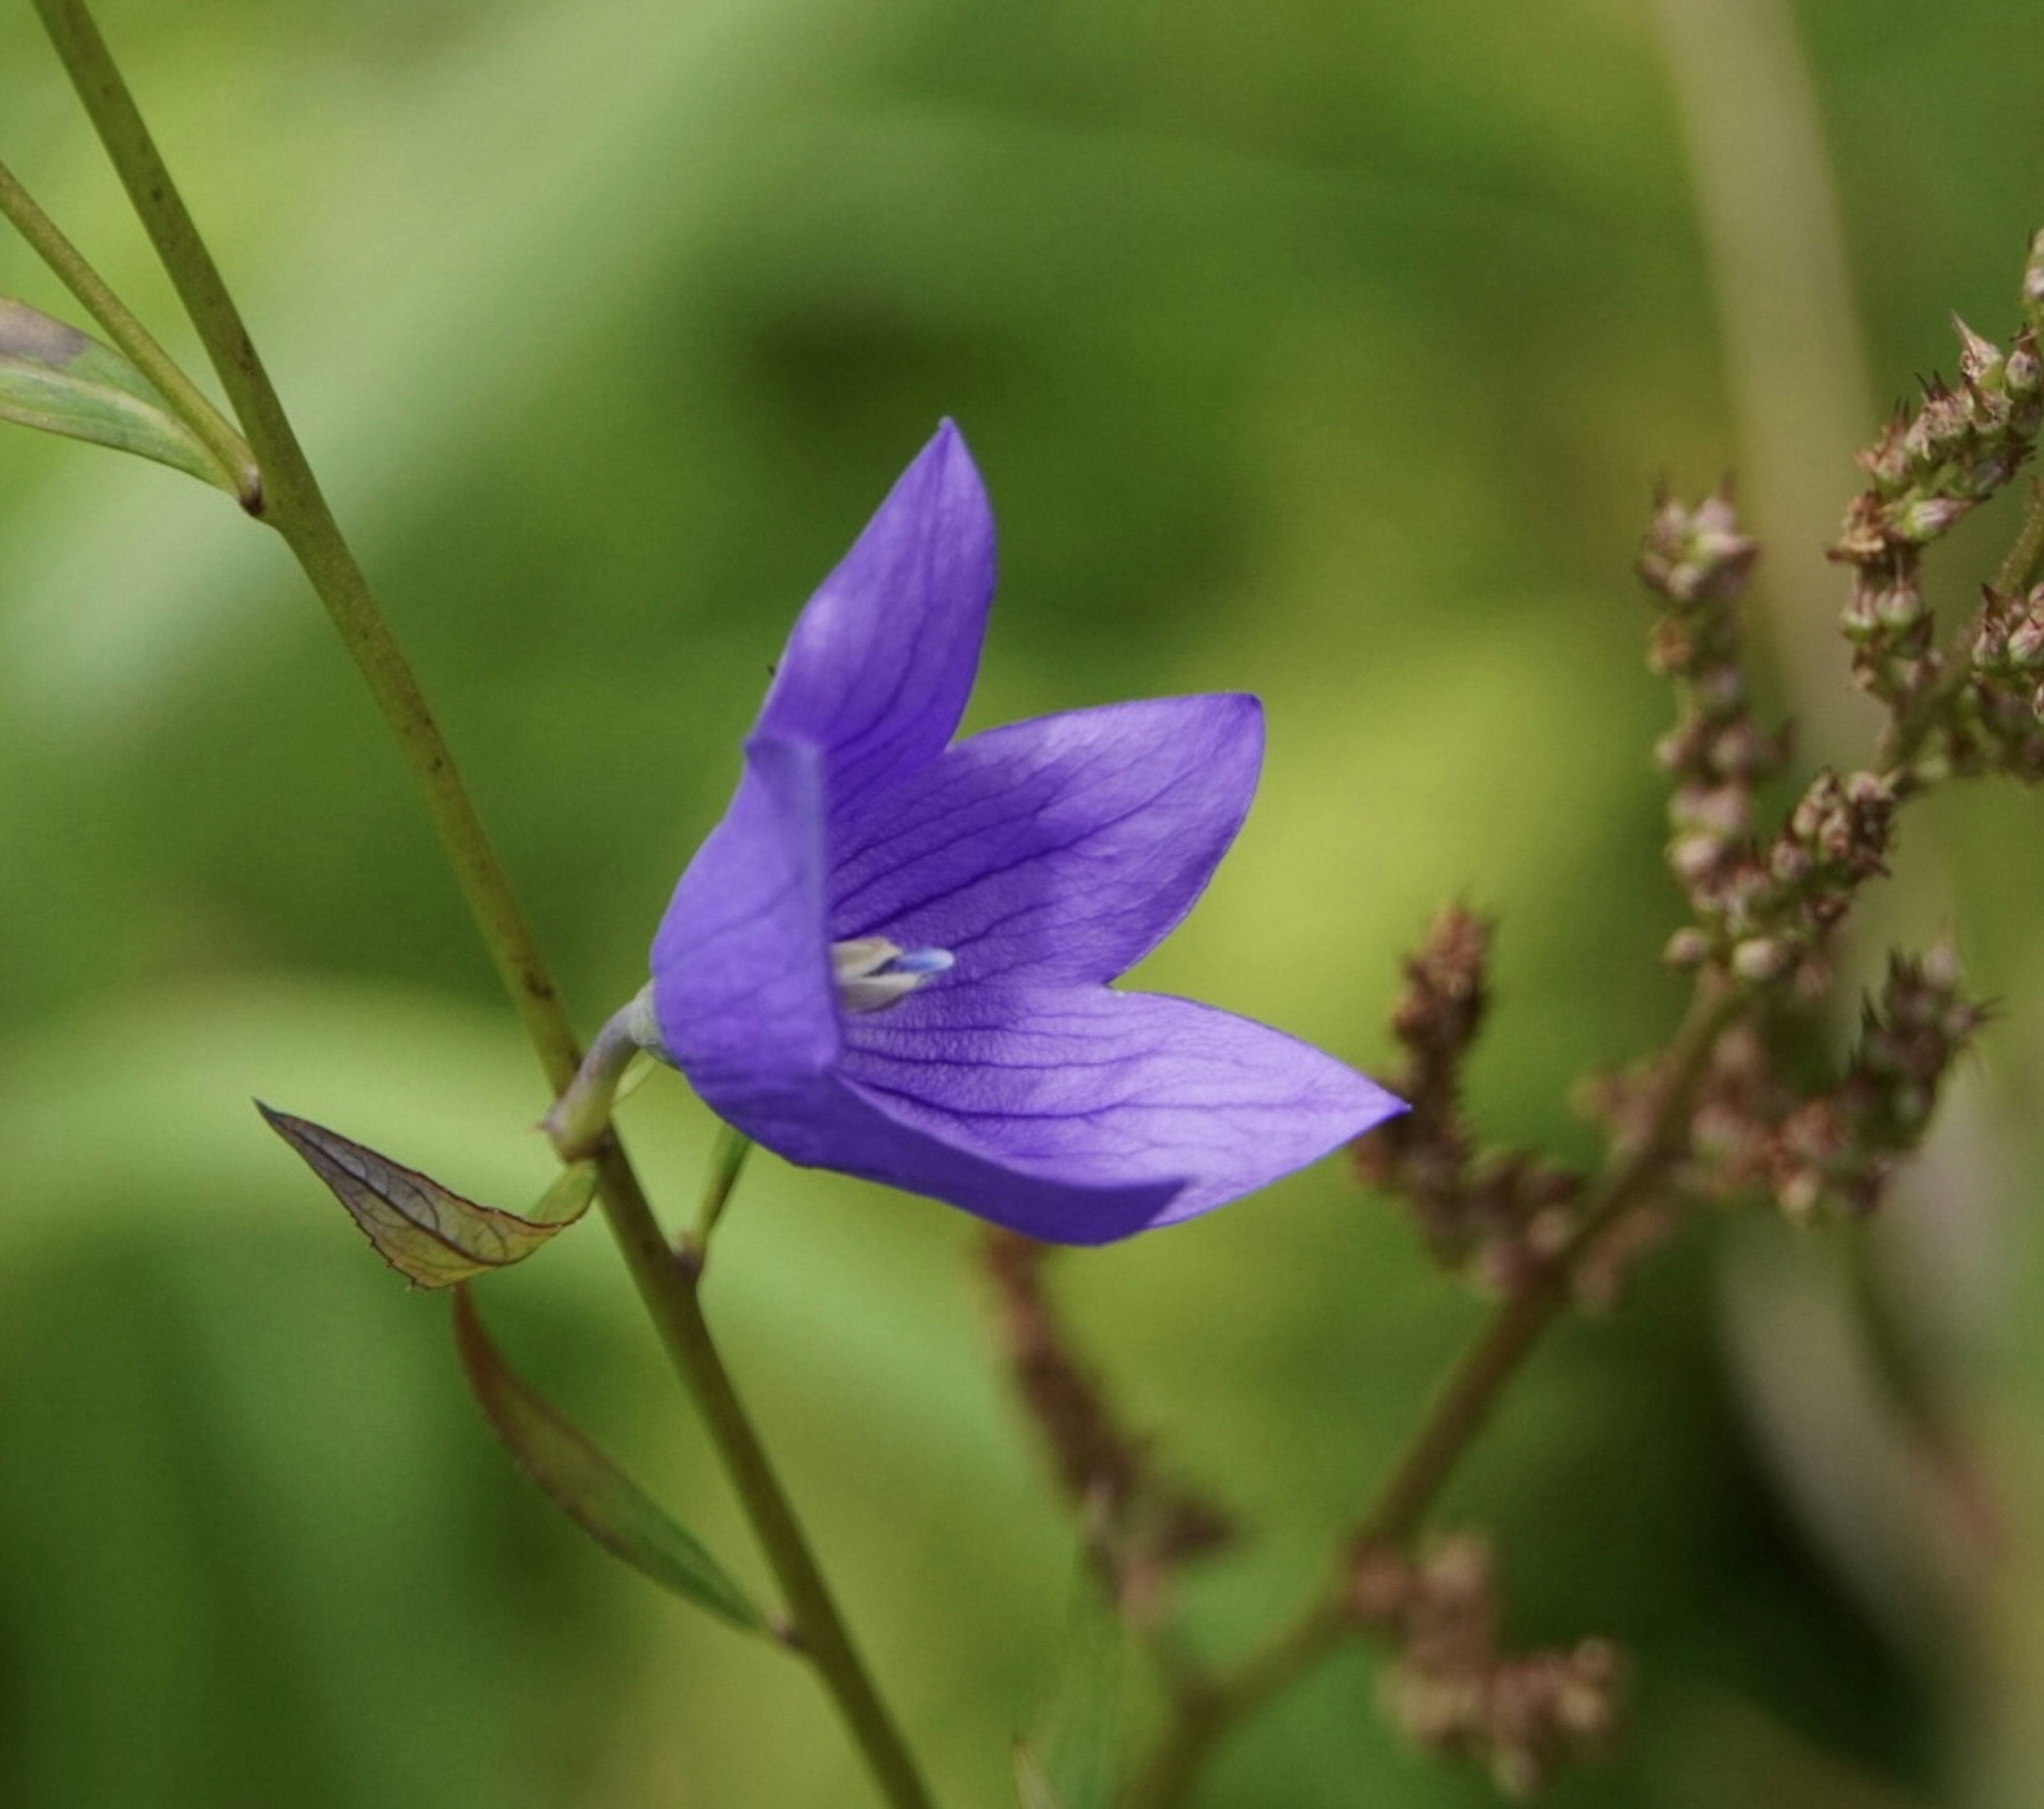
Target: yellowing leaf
<point x="55" y="378"/>
<point x="431" y="1236"/>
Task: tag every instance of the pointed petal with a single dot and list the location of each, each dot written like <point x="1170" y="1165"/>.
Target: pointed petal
<point x="823" y="1121"/>
<point x="743" y="992"/>
<point x="1096" y="1089"/>
<point x="1059" y="850"/>
<point x="741" y="986"/>
<point x="880" y="661"/>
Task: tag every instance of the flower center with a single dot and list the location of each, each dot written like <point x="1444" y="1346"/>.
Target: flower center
<point x="872" y="973"/>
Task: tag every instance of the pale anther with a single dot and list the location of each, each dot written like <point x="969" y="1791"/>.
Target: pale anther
<point x="872" y="973"/>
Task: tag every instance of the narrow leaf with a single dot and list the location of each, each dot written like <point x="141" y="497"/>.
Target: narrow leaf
<point x="55" y="378"/>
<point x="1032" y="1788"/>
<point x="588" y="1488"/>
<point x="431" y="1236"/>
<point x="1084" y="1731"/>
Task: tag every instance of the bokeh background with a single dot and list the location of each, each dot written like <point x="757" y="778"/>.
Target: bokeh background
<point x="1325" y="348"/>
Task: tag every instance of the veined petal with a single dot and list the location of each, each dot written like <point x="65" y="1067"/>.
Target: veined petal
<point x="742" y="986"/>
<point x="877" y="669"/>
<point x="1060" y="849"/>
<point x="824" y="1121"/>
<point x="1095" y="1089"/>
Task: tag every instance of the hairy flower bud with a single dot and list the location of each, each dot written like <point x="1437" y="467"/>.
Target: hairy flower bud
<point x="2033" y="282"/>
<point x="1791" y="863"/>
<point x="1721" y="691"/>
<point x="1694" y="855"/>
<point x="2023" y="377"/>
<point x="1899" y="607"/>
<point x="1926" y="517"/>
<point x="1980" y="359"/>
<point x="1886" y="461"/>
<point x="1688" y="948"/>
<point x="1761" y="959"/>
<point x="1723" y="811"/>
<point x="2025" y="648"/>
<point x="1860" y="620"/>
<point x="1696" y="555"/>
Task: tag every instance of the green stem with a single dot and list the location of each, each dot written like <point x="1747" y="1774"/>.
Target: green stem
<point x="135" y="342"/>
<point x="294" y="505"/>
<point x="727" y="1162"/>
<point x="670" y="1290"/>
<point x="1205" y="1715"/>
<point x="2025" y="562"/>
<point x="1913" y="729"/>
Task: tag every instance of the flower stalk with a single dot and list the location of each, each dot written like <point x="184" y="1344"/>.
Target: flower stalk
<point x="579" y="1120"/>
<point x="292" y="502"/>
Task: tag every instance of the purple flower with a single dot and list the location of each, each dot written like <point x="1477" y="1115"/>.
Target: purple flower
<point x="892" y="956"/>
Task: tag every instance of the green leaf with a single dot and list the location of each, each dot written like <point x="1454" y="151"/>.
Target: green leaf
<point x="55" y="378"/>
<point x="431" y="1236"/>
<point x="1083" y="1732"/>
<point x="588" y="1488"/>
<point x="1032" y="1787"/>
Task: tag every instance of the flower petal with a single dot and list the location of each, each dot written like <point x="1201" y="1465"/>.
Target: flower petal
<point x="877" y="669"/>
<point x="742" y="986"/>
<point x="746" y="1009"/>
<point x="1063" y="849"/>
<point x="1095" y="1089"/>
<point x="823" y="1121"/>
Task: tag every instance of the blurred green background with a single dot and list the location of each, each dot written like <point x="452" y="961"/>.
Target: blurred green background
<point x="1326" y="350"/>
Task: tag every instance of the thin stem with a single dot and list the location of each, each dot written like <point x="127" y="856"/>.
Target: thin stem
<point x="1466" y="1403"/>
<point x="2025" y="563"/>
<point x="294" y="505"/>
<point x="727" y="1162"/>
<point x="669" y="1290"/>
<point x="1459" y="1412"/>
<point x="1913" y="728"/>
<point x="134" y="341"/>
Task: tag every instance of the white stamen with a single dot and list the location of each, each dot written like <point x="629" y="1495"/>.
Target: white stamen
<point x="872" y="973"/>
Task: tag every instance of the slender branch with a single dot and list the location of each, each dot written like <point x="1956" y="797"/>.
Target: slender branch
<point x="1912" y="729"/>
<point x="727" y="1162"/>
<point x="2025" y="563"/>
<point x="1203" y="1717"/>
<point x="1465" y="1404"/>
<point x="293" y="504"/>
<point x="135" y="342"/>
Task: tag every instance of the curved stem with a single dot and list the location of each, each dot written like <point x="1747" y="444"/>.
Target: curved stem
<point x="135" y="342"/>
<point x="293" y="504"/>
<point x="1463" y="1407"/>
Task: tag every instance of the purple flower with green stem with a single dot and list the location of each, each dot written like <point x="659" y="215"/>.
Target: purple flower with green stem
<point x="894" y="956"/>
